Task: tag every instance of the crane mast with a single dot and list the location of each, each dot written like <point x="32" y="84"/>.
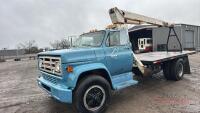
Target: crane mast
<point x="119" y="16"/>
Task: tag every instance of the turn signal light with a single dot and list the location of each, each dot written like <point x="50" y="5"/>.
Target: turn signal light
<point x="69" y="69"/>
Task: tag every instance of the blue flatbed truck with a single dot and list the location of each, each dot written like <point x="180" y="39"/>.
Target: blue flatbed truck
<point x="99" y="62"/>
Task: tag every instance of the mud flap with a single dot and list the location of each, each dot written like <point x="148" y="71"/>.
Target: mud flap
<point x="186" y="65"/>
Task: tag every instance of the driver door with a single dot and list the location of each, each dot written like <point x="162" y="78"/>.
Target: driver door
<point x="118" y="52"/>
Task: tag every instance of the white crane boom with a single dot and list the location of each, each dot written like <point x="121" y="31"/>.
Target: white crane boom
<point x="124" y="17"/>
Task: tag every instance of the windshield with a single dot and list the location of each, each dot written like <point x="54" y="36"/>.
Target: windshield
<point x="93" y="39"/>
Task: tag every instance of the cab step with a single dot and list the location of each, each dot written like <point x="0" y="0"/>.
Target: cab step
<point x="123" y="80"/>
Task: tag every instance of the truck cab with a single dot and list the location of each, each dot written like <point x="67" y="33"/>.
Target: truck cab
<point x="99" y="61"/>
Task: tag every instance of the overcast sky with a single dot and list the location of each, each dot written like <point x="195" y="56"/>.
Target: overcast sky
<point x="48" y="20"/>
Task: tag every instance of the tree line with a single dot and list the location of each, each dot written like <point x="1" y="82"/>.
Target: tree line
<point x="31" y="47"/>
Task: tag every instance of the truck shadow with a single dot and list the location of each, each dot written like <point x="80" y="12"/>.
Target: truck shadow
<point x="147" y="88"/>
<point x="54" y="106"/>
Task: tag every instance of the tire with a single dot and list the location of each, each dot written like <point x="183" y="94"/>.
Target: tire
<point x="177" y="70"/>
<point x="167" y="70"/>
<point x="92" y="95"/>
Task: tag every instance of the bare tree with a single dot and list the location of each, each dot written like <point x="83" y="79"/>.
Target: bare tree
<point x="62" y="44"/>
<point x="29" y="47"/>
<point x="55" y="44"/>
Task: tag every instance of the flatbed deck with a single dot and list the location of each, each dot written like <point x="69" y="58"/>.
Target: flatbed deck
<point x="153" y="57"/>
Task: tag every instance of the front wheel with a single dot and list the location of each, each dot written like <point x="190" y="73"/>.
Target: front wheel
<point x="92" y="95"/>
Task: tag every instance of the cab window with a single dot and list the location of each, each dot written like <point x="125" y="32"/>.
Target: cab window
<point x="116" y="39"/>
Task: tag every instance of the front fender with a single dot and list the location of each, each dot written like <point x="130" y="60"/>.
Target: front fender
<point x="78" y="70"/>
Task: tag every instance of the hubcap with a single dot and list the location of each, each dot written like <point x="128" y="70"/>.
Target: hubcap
<point x="180" y="69"/>
<point x="94" y="98"/>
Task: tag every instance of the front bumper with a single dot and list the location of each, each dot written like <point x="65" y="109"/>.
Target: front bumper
<point x="58" y="91"/>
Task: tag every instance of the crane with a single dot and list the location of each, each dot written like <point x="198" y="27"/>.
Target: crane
<point x="124" y="17"/>
<point x="120" y="17"/>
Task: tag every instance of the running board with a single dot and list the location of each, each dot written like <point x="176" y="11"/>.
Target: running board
<point x="123" y="80"/>
<point x="125" y="84"/>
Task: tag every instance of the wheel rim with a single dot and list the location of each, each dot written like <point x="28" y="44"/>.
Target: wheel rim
<point x="180" y="70"/>
<point x="94" y="98"/>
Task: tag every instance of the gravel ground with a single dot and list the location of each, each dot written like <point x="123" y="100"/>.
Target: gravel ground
<point x="19" y="92"/>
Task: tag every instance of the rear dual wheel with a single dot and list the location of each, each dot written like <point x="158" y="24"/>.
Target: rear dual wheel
<point x="174" y="70"/>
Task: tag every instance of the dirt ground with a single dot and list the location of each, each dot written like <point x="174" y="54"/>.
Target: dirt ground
<point x="19" y="92"/>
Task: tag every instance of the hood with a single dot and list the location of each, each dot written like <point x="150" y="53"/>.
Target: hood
<point x="73" y="54"/>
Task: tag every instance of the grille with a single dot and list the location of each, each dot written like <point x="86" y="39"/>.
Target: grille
<point x="48" y="64"/>
<point x="51" y="79"/>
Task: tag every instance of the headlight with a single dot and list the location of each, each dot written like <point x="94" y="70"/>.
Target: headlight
<point x="57" y="67"/>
